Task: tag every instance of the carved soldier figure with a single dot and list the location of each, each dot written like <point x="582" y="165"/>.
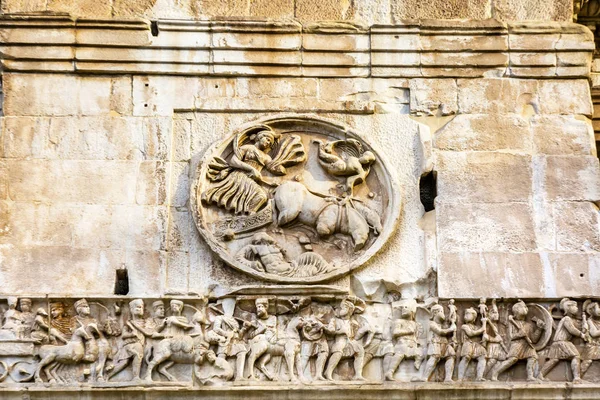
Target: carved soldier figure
<point x="61" y="325"/>
<point x="523" y="335"/>
<point x="157" y="322"/>
<point x="134" y="340"/>
<point x="176" y="324"/>
<point x="229" y="336"/>
<point x="343" y="328"/>
<point x="404" y="331"/>
<point x="496" y="350"/>
<point x="439" y="346"/>
<point x="591" y="352"/>
<point x="27" y="317"/>
<point x="472" y="348"/>
<point x="264" y="332"/>
<point x="40" y="330"/>
<point x="314" y="343"/>
<point x="13" y="321"/>
<point x="562" y="347"/>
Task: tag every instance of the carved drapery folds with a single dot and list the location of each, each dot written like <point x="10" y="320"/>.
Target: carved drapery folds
<point x="304" y="340"/>
<point x="294" y="200"/>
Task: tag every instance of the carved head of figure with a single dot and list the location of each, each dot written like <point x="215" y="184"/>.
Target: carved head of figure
<point x="493" y="313"/>
<point x="593" y="309"/>
<point x="25" y="305"/>
<point x="437" y="313"/>
<point x="367" y="158"/>
<point x="470" y="315"/>
<point x="262" y="308"/>
<point x="568" y="306"/>
<point x="176" y="307"/>
<point x="346" y="309"/>
<point x="158" y="309"/>
<point x="41" y="311"/>
<point x="407" y="308"/>
<point x="520" y="310"/>
<point x="263" y="238"/>
<point x="12" y="303"/>
<point x="136" y="308"/>
<point x="265" y="139"/>
<point x="57" y="310"/>
<point x="82" y="308"/>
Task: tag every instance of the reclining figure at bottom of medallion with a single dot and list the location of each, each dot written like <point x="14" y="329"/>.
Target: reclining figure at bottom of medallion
<point x="279" y="225"/>
<point x="299" y="339"/>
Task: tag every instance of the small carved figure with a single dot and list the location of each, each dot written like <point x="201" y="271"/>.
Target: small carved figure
<point x="13" y="327"/>
<point x="223" y="369"/>
<point x="471" y="345"/>
<point x="439" y="346"/>
<point x="404" y="344"/>
<point x="134" y="340"/>
<point x="562" y="347"/>
<point x="177" y="346"/>
<point x="343" y="328"/>
<point x="591" y="352"/>
<point x="236" y="184"/>
<point x="52" y="357"/>
<point x="61" y="324"/>
<point x="40" y="329"/>
<point x="27" y="317"/>
<point x="523" y="335"/>
<point x="229" y="336"/>
<point x="314" y="343"/>
<point x="346" y="158"/>
<point x="264" y="254"/>
<point x="496" y="349"/>
<point x="483" y="308"/>
<point x="157" y="322"/>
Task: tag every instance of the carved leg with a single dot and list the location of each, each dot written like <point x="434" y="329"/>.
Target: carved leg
<point x="262" y="365"/>
<point x="327" y="220"/>
<point x="120" y="366"/>
<point x="575" y="368"/>
<point x="240" y="363"/>
<point x="46" y="361"/>
<point x="481" y="363"/>
<point x="358" y="365"/>
<point x="391" y="364"/>
<point x="500" y="368"/>
<point x="585" y="365"/>
<point x="320" y="366"/>
<point x="290" y="359"/>
<point x="545" y="369"/>
<point x="255" y="353"/>
<point x="52" y="371"/>
<point x="462" y="367"/>
<point x="162" y="368"/>
<point x="429" y="368"/>
<point x="158" y="358"/>
<point x="449" y="369"/>
<point x="490" y="365"/>
<point x="334" y="360"/>
<point x="367" y="359"/>
<point x="136" y="365"/>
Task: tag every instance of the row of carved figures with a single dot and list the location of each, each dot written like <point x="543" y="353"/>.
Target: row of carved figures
<point x="299" y="339"/>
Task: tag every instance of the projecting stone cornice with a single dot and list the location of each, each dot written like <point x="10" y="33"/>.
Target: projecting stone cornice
<point x="425" y="48"/>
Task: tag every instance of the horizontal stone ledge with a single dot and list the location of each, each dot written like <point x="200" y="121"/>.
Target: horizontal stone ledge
<point x="45" y="43"/>
<point x="406" y="391"/>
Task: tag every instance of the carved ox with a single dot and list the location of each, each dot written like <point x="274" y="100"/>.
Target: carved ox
<point x="295" y="202"/>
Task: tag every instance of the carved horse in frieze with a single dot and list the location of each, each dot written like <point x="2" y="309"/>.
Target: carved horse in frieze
<point x="54" y="357"/>
<point x="328" y="215"/>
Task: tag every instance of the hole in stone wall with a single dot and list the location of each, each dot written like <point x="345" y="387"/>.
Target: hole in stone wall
<point x="581" y="275"/>
<point x="154" y="28"/>
<point x="428" y="190"/>
<point x="122" y="282"/>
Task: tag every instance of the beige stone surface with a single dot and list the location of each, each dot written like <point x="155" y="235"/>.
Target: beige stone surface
<point x="440" y="9"/>
<point x="577" y="226"/>
<point x="572" y="178"/>
<point x="516" y="10"/>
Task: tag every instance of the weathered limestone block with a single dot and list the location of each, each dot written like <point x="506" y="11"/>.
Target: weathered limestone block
<point x="563" y="135"/>
<point x="577" y="226"/>
<point x="483" y="177"/>
<point x="572" y="178"/>
<point x="491" y="274"/>
<point x="81" y="8"/>
<point x="515" y="10"/>
<point x="440" y="9"/>
<point x="95" y="182"/>
<point x="476" y="96"/>
<point x="485" y="132"/>
<point x="565" y="97"/>
<point x="433" y="96"/>
<point x="571" y="274"/>
<point x="279" y="9"/>
<point x="488" y="227"/>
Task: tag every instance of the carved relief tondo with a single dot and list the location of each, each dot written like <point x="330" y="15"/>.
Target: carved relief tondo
<point x="294" y="200"/>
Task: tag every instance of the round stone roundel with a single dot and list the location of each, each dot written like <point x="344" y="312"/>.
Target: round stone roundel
<point x="294" y="200"/>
